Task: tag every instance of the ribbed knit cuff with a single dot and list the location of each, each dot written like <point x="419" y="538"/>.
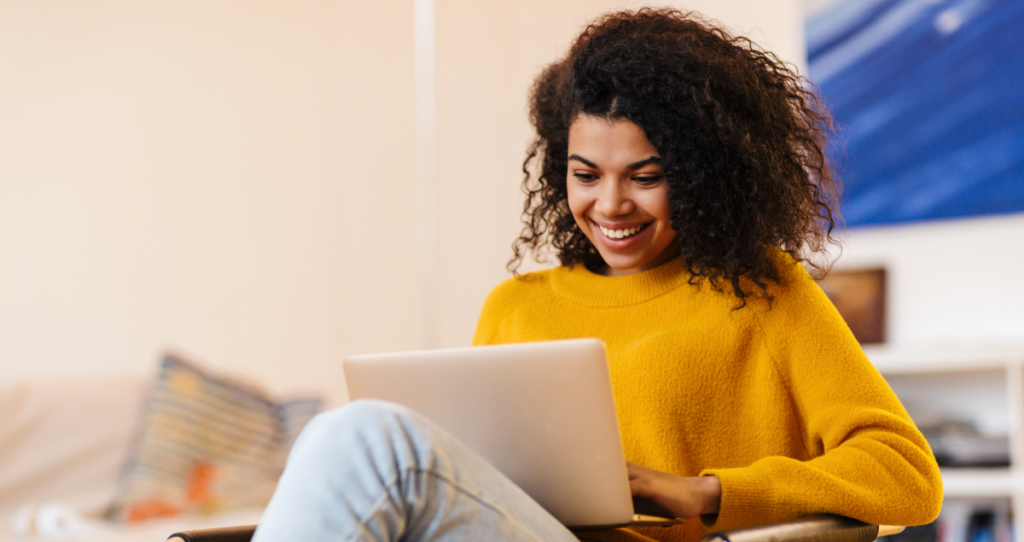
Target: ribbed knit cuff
<point x="748" y="498"/>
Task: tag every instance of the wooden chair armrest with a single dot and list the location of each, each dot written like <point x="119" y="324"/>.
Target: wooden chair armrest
<point x="889" y="530"/>
<point x="821" y="528"/>
<point x="224" y="534"/>
<point x="807" y="529"/>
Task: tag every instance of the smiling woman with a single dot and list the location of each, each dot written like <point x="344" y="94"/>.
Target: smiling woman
<point x="740" y="137"/>
<point x="619" y="196"/>
<point x="681" y="179"/>
<point x="680" y="175"/>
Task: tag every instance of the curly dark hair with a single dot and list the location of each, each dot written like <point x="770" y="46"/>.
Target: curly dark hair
<point x="741" y="135"/>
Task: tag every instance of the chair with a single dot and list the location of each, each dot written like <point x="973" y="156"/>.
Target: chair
<point x="224" y="534"/>
<point x="822" y="528"/>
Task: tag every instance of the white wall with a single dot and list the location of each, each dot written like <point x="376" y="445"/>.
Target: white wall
<point x="956" y="284"/>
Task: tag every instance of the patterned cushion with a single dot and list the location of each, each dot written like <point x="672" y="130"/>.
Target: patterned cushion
<point x="205" y="444"/>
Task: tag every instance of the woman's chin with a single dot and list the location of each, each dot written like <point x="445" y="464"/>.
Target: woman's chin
<point x="618" y="266"/>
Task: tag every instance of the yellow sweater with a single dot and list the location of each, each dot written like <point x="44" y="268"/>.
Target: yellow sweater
<point x="780" y="404"/>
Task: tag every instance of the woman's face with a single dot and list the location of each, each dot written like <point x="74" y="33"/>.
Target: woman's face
<point x="618" y="194"/>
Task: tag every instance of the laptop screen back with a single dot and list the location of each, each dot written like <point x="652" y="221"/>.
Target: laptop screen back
<point x="542" y="413"/>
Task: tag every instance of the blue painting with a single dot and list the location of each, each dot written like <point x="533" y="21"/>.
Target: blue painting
<point x="930" y="98"/>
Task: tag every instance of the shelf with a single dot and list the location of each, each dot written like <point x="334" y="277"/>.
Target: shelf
<point x="981" y="482"/>
<point x="976" y="385"/>
<point x="893" y="360"/>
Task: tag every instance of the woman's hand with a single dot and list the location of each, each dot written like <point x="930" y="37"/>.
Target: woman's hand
<point x="686" y="497"/>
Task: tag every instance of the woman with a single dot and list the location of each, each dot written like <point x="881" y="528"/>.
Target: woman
<point x="680" y="176"/>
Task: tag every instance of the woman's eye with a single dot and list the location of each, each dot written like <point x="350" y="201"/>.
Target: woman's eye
<point x="586" y="176"/>
<point x="648" y="179"/>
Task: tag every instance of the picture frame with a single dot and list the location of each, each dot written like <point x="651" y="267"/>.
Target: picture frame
<point x="860" y="297"/>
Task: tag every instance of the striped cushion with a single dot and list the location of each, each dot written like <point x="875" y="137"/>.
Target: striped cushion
<point x="205" y="444"/>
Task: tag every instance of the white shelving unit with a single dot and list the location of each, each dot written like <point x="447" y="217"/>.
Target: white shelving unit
<point x="969" y="381"/>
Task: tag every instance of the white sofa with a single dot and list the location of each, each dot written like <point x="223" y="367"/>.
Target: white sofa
<point x="63" y="440"/>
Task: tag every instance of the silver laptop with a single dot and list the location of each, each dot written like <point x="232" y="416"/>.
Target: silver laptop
<point x="542" y="413"/>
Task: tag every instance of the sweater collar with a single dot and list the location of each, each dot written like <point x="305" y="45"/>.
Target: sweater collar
<point x="587" y="288"/>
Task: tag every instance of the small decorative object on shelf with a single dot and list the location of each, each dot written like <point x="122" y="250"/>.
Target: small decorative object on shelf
<point x="959" y="443"/>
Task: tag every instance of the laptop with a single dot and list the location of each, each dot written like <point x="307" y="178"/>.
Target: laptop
<point x="542" y="413"/>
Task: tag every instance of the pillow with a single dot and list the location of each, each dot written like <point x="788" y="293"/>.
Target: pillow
<point x="205" y="444"/>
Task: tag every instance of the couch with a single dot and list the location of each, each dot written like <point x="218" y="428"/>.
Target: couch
<point x="63" y="442"/>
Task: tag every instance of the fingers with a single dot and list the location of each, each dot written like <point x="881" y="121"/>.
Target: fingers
<point x="686" y="497"/>
<point x="641" y="479"/>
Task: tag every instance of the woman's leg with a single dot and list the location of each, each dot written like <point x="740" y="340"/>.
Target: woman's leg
<point x="378" y="471"/>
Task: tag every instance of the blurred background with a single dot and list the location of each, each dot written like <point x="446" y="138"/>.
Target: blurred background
<point x="239" y="180"/>
<point x="267" y="187"/>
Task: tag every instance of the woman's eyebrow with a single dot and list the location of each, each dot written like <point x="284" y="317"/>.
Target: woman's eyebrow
<point x="637" y="165"/>
<point x="585" y="162"/>
<point x="632" y="167"/>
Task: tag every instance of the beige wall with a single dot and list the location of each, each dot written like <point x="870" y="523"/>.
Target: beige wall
<point x="237" y="180"/>
<point x="234" y="179"/>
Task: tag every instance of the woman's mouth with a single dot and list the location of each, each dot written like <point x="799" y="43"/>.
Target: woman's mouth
<point x="622" y="233"/>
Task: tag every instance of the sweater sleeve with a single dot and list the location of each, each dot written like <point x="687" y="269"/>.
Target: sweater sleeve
<point x="867" y="460"/>
<point x="499" y="303"/>
<point x="489" y="322"/>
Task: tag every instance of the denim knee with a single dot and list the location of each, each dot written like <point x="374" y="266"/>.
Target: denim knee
<point x="362" y="414"/>
<point x="367" y="422"/>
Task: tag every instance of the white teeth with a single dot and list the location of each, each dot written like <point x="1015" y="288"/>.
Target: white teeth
<point x="619" y="234"/>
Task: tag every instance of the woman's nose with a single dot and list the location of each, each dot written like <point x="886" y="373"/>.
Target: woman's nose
<point x="613" y="199"/>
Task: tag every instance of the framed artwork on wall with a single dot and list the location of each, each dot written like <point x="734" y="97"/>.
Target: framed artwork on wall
<point x="926" y="96"/>
<point x="859" y="296"/>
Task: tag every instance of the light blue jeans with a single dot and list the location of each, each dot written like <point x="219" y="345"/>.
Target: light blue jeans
<point x="374" y="470"/>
